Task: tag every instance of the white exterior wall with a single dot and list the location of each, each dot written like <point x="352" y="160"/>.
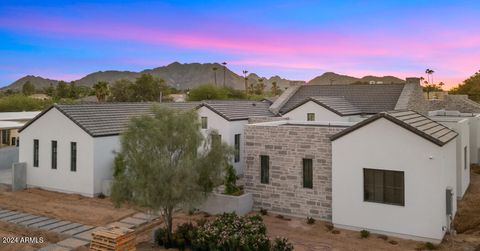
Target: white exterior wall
<point x="428" y="171"/>
<point x="227" y="129"/>
<point x="53" y="125"/>
<point x="462" y="127"/>
<point x="475" y="140"/>
<point x="104" y="155"/>
<point x="321" y="113"/>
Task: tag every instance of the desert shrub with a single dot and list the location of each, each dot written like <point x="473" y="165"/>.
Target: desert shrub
<point x="263" y="211"/>
<point x="101" y="196"/>
<point x="329" y="226"/>
<point x="364" y="234"/>
<point x="310" y="220"/>
<point x="281" y="244"/>
<point x="159" y="236"/>
<point x="185" y="234"/>
<point x="230" y="182"/>
<point x="430" y="246"/>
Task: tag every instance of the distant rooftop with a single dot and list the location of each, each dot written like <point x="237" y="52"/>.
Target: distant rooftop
<point x="13" y="116"/>
<point x="338" y="105"/>
<point x="368" y="99"/>
<point x="239" y="109"/>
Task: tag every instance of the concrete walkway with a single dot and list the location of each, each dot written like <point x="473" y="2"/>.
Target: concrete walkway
<point x="80" y="235"/>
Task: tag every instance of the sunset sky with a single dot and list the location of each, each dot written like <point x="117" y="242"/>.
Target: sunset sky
<point x="293" y="39"/>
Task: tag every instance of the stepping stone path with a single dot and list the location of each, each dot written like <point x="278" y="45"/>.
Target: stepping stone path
<point x="81" y="235"/>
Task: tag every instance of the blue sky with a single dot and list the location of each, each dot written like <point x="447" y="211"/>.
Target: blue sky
<point x="294" y="39"/>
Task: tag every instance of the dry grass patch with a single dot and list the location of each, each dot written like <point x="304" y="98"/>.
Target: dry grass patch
<point x="12" y="230"/>
<point x="72" y="207"/>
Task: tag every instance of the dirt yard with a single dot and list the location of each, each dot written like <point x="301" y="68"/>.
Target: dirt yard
<point x="12" y="230"/>
<point x="317" y="237"/>
<point x="76" y="208"/>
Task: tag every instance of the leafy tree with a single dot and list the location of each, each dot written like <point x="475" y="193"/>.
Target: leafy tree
<point x="275" y="89"/>
<point x="50" y="90"/>
<point x="28" y="88"/>
<point x="207" y="92"/>
<point x="148" y="88"/>
<point x="470" y="87"/>
<point x="159" y="166"/>
<point x="62" y="90"/>
<point x="74" y="92"/>
<point x="20" y="102"/>
<point x="102" y="91"/>
<point x="122" y="91"/>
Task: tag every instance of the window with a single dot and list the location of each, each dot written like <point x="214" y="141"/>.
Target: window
<point x="383" y="186"/>
<point x="14" y="141"/>
<point x="54" y="154"/>
<point x="237" y="148"/>
<point x="264" y="169"/>
<point x="204" y="122"/>
<point x="465" y="162"/>
<point x="307" y="173"/>
<point x="310" y="116"/>
<point x="35" y="152"/>
<point x="6" y="137"/>
<point x="73" y="156"/>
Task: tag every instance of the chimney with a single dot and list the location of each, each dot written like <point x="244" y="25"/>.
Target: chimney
<point x="413" y="81"/>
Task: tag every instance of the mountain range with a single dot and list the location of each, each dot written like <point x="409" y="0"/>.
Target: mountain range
<point x="187" y="76"/>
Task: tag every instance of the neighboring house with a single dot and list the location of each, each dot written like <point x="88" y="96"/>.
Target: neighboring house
<point x="464" y="126"/>
<point x="348" y="102"/>
<point x="70" y="148"/>
<point x="10" y="123"/>
<point x="293" y="168"/>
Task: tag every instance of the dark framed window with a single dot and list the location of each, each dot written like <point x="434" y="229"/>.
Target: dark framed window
<point x="310" y="116"/>
<point x="264" y="169"/>
<point x="236" y="157"/>
<point x="307" y="173"/>
<point x="6" y="137"/>
<point x="383" y="186"/>
<point x="14" y="141"/>
<point x="54" y="154"/>
<point x="465" y="162"/>
<point x="73" y="156"/>
<point x="204" y="121"/>
<point x="35" y="152"/>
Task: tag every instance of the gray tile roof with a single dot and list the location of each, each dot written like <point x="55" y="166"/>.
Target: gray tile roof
<point x="338" y="105"/>
<point x="412" y="121"/>
<point x="239" y="109"/>
<point x="106" y="119"/>
<point x="369" y="99"/>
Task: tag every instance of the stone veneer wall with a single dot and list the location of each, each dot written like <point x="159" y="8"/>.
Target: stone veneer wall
<point x="287" y="145"/>
<point x="459" y="103"/>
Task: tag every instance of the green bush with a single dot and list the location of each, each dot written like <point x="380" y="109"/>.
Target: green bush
<point x="230" y="182"/>
<point x="430" y="246"/>
<point x="364" y="234"/>
<point x="20" y="103"/>
<point x="159" y="236"/>
<point x="281" y="244"/>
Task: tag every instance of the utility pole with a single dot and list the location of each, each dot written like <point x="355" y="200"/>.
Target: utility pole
<point x="245" y="77"/>
<point x="224" y="72"/>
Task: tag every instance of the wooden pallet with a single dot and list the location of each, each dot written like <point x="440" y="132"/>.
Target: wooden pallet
<point x="113" y="239"/>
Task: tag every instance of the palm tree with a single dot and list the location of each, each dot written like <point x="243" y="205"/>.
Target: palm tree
<point x="260" y="87"/>
<point x="102" y="90"/>
<point x="224" y="72"/>
<point x="215" y="74"/>
<point x="429" y="73"/>
<point x="245" y="77"/>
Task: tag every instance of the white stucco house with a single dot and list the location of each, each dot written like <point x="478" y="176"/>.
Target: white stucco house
<point x="70" y="148"/>
<point x="402" y="183"/>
